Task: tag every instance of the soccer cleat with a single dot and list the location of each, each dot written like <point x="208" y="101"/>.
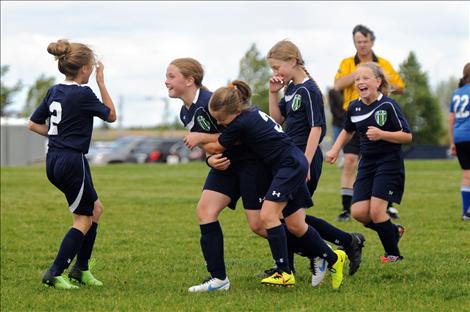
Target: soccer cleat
<point x="337" y="269"/>
<point x="344" y="216"/>
<point x="390" y="258"/>
<point x="59" y="282"/>
<point x="318" y="268"/>
<point x="83" y="277"/>
<point x="280" y="279"/>
<point x="466" y="217"/>
<point x="393" y="213"/>
<point x="211" y="284"/>
<point x="354" y="252"/>
<point x="400" y="231"/>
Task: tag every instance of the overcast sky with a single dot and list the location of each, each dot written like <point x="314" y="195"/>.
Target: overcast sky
<point x="137" y="40"/>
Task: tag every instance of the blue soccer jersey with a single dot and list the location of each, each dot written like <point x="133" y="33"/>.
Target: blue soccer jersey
<point x="259" y="132"/>
<point x="197" y="118"/>
<point x="459" y="105"/>
<point x="384" y="114"/>
<point x="302" y="107"/>
<point x="70" y="109"/>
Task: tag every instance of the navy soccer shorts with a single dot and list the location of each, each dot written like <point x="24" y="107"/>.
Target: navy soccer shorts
<point x="315" y="171"/>
<point x="288" y="183"/>
<point x="381" y="176"/>
<point x="463" y="154"/>
<point x="69" y="171"/>
<point x="254" y="180"/>
<point x="352" y="147"/>
<point x="224" y="182"/>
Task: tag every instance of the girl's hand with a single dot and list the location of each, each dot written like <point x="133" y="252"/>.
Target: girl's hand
<point x="308" y="174"/>
<point x="374" y="133"/>
<point x="453" y="150"/>
<point x="217" y="161"/>
<point x="331" y="156"/>
<point x="192" y="139"/>
<point x="276" y="83"/>
<point x="99" y="73"/>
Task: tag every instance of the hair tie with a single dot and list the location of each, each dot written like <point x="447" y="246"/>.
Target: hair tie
<point x="232" y="86"/>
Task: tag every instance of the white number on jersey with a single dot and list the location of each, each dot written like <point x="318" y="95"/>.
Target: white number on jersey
<point x="55" y="119"/>
<point x="265" y="117"/>
<point x="460" y="103"/>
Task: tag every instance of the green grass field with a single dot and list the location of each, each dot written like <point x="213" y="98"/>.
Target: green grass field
<point x="148" y="253"/>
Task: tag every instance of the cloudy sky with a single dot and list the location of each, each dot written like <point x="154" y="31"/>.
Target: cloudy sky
<point x="136" y="40"/>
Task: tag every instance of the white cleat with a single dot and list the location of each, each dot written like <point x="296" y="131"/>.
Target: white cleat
<point x="318" y="267"/>
<point x="211" y="284"/>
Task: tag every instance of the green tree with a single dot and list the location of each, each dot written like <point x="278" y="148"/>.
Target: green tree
<point x="443" y="92"/>
<point x="254" y="70"/>
<point x="36" y="94"/>
<point x="7" y="93"/>
<point x="419" y="105"/>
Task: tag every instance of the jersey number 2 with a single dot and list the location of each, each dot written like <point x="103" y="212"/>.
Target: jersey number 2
<point x="55" y="119"/>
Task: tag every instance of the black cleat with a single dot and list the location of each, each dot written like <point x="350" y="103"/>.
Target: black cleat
<point x="354" y="252"/>
<point x="393" y="213"/>
<point x="344" y="216"/>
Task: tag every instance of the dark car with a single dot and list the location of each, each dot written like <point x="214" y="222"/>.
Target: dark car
<point x="121" y="151"/>
<point x="154" y="150"/>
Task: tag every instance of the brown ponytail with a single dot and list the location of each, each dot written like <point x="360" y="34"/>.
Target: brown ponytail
<point x="231" y="99"/>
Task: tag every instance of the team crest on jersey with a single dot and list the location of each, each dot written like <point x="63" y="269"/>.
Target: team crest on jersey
<point x="380" y="117"/>
<point x="296" y="102"/>
<point x="203" y="123"/>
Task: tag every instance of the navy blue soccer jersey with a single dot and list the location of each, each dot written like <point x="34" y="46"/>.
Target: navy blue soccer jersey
<point x="70" y="109"/>
<point x="302" y="107"/>
<point x="260" y="133"/>
<point x="384" y="114"/>
<point x="460" y="106"/>
<point x="197" y="118"/>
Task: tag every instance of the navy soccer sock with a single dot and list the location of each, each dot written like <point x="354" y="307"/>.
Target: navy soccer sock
<point x="212" y="245"/>
<point x="278" y="244"/>
<point x="346" y="198"/>
<point x="329" y="232"/>
<point x="84" y="254"/>
<point x="387" y="234"/>
<point x="314" y="246"/>
<point x="371" y="225"/>
<point x="68" y="249"/>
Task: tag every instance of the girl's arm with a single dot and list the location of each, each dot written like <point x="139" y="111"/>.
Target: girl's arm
<point x="312" y="143"/>
<point x="399" y="137"/>
<point x="453" y="151"/>
<point x="41" y="129"/>
<point x="193" y="139"/>
<point x="343" y="138"/>
<point x="107" y="101"/>
<point x="214" y="148"/>
<point x="275" y="84"/>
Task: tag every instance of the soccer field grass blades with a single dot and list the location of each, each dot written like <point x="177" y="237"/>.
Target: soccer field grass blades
<point x="59" y="282"/>
<point x="337" y="269"/>
<point x="84" y="277"/>
<point x="211" y="284"/>
<point x="279" y="279"/>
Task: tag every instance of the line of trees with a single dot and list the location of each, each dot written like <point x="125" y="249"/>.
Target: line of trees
<point x="424" y="109"/>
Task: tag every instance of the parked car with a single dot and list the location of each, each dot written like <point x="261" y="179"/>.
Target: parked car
<point x="121" y="151"/>
<point x="154" y="150"/>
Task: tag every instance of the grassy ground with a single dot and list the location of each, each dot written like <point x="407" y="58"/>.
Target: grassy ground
<point x="148" y="252"/>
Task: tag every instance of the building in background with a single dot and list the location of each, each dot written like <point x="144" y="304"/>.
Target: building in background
<point x="19" y="146"/>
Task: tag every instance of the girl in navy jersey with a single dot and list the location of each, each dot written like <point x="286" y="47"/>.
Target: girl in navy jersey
<point x="70" y="107"/>
<point x="301" y="112"/>
<point x="382" y="129"/>
<point x="459" y="131"/>
<point x="287" y="193"/>
<point x="231" y="175"/>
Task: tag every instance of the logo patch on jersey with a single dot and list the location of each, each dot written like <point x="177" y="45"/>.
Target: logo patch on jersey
<point x="203" y="123"/>
<point x="380" y="117"/>
<point x="296" y="102"/>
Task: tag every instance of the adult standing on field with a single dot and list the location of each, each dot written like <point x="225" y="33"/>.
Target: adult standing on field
<point x="364" y="40"/>
<point x="459" y="130"/>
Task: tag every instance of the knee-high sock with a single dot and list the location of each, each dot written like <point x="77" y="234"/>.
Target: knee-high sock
<point x="313" y="246"/>
<point x="387" y="234"/>
<point x="68" y="249"/>
<point x="465" y="191"/>
<point x="84" y="254"/>
<point x="329" y="232"/>
<point x="212" y="245"/>
<point x="278" y="244"/>
<point x="346" y="198"/>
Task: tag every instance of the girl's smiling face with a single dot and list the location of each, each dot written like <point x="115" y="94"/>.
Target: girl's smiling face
<point x="367" y="84"/>
<point x="175" y="82"/>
